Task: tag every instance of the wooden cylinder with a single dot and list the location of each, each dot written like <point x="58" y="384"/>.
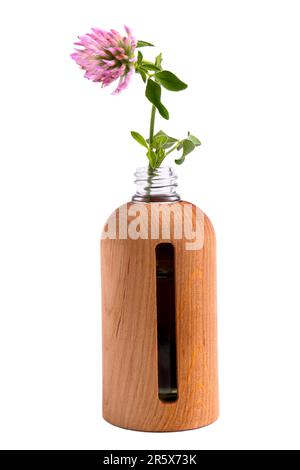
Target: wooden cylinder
<point x="130" y="321"/>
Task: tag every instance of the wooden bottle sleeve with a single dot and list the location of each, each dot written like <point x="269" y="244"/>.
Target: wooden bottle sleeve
<point x="129" y="329"/>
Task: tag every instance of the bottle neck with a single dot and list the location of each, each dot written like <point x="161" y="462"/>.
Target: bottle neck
<point x="158" y="185"/>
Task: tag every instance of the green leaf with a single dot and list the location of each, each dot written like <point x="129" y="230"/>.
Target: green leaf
<point x="153" y="93"/>
<point x="144" y="44"/>
<point x="159" y="141"/>
<point x="150" y="66"/>
<point x="194" y="139"/>
<point x="151" y="157"/>
<point x="187" y="147"/>
<point x="158" y="61"/>
<point x="160" y="156"/>
<point x="170" y="81"/>
<point x="139" y="57"/>
<point x="139" y="138"/>
<point x="162" y="140"/>
<point x="143" y="74"/>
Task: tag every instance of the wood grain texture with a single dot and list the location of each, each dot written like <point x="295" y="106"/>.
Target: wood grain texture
<point x="129" y="328"/>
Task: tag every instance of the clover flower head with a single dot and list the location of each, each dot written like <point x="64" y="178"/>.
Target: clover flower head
<point x="107" y="56"/>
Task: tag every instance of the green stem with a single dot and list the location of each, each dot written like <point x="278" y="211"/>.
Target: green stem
<point x="152" y="122"/>
<point x="173" y="148"/>
<point x="151" y="134"/>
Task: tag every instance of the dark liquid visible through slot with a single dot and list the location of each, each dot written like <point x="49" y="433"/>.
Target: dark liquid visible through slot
<point x="166" y="328"/>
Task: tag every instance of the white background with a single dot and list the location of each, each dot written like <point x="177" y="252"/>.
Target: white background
<point x="67" y="160"/>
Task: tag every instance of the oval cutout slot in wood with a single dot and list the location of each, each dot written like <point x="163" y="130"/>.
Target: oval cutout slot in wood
<point x="166" y="322"/>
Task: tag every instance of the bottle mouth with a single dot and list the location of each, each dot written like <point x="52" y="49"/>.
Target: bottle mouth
<point x="156" y="185"/>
